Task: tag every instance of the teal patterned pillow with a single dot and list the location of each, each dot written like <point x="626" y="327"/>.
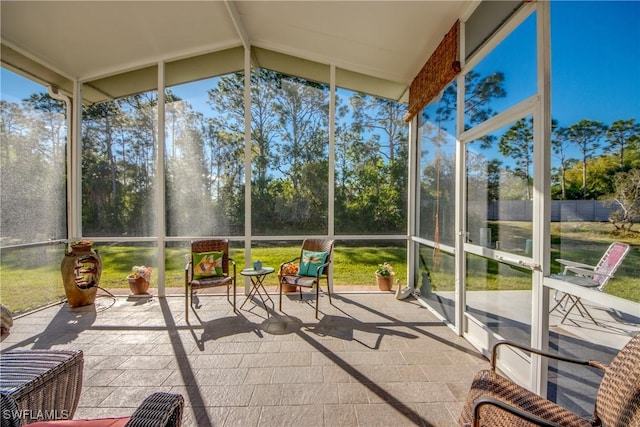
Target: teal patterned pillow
<point x="311" y="261"/>
<point x="207" y="264"/>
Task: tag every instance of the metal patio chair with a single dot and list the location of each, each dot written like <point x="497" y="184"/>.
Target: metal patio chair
<point x="209" y="278"/>
<point x="310" y="271"/>
<point x="589" y="276"/>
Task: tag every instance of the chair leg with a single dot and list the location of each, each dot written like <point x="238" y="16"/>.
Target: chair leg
<point x="280" y="300"/>
<point x="579" y="304"/>
<point x="576" y="303"/>
<point x="317" y="297"/>
<point x="234" y="297"/>
<point x="329" y="292"/>
<point x="558" y="304"/>
<point x="187" y="304"/>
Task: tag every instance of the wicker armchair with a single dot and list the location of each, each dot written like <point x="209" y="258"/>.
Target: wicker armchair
<point x="228" y="278"/>
<point x="42" y="380"/>
<point x="495" y="401"/>
<point x="157" y="410"/>
<point x="298" y="280"/>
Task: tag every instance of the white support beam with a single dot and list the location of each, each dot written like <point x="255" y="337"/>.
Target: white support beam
<point x="332" y="163"/>
<point x="460" y="198"/>
<point x="413" y="200"/>
<point x="161" y="229"/>
<point x="75" y="167"/>
<point x="247" y="165"/>
<point x="237" y="23"/>
<point x="541" y="200"/>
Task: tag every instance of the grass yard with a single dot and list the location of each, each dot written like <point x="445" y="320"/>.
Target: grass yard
<point x="30" y="277"/>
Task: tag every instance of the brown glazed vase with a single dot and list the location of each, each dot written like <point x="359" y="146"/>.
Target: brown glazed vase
<point x="81" y="269"/>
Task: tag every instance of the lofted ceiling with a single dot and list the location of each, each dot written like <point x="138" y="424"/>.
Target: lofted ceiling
<point x="90" y="40"/>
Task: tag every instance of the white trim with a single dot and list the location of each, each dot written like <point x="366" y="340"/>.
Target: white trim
<point x="451" y="250"/>
<point x="518" y="111"/>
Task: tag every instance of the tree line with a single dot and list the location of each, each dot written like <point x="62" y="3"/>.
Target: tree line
<point x="204" y="160"/>
<point x="204" y="166"/>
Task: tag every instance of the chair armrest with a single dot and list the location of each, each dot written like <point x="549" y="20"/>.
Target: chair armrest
<point x="575" y="264"/>
<point x="286" y="262"/>
<point x="233" y="263"/>
<point x="158" y="410"/>
<point x="188" y="272"/>
<point x="585" y="272"/>
<point x="510" y="409"/>
<point x="592" y="363"/>
<point x="321" y="268"/>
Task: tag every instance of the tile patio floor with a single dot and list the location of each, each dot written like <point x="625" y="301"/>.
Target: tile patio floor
<point x="370" y="360"/>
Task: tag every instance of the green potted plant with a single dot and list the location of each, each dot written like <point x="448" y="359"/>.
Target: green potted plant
<point x="385" y="276"/>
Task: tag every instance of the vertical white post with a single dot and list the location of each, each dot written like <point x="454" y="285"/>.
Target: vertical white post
<point x="413" y="200"/>
<point x="332" y="163"/>
<point x="247" y="163"/>
<point x="74" y="166"/>
<point x="161" y="228"/>
<point x="461" y="197"/>
<point x="541" y="199"/>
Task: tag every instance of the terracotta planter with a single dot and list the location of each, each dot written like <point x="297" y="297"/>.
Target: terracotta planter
<point x="138" y="285"/>
<point x="385" y="283"/>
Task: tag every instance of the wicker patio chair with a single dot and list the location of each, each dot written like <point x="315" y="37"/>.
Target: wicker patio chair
<point x="159" y="409"/>
<point x="312" y="277"/>
<point x="192" y="281"/>
<point x="42" y="380"/>
<point x="495" y="401"/>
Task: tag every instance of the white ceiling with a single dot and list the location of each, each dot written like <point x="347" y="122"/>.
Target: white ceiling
<point x="85" y="40"/>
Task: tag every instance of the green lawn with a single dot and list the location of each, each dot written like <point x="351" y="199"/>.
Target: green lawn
<point x="30" y="278"/>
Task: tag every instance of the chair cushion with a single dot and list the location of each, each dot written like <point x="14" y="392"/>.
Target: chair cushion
<point x="98" y="422"/>
<point x="208" y="282"/>
<point x="577" y="280"/>
<point x="311" y="262"/>
<point x="207" y="264"/>
<point x="300" y="280"/>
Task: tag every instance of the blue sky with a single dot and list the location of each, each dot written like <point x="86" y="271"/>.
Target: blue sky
<point x="595" y="61"/>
